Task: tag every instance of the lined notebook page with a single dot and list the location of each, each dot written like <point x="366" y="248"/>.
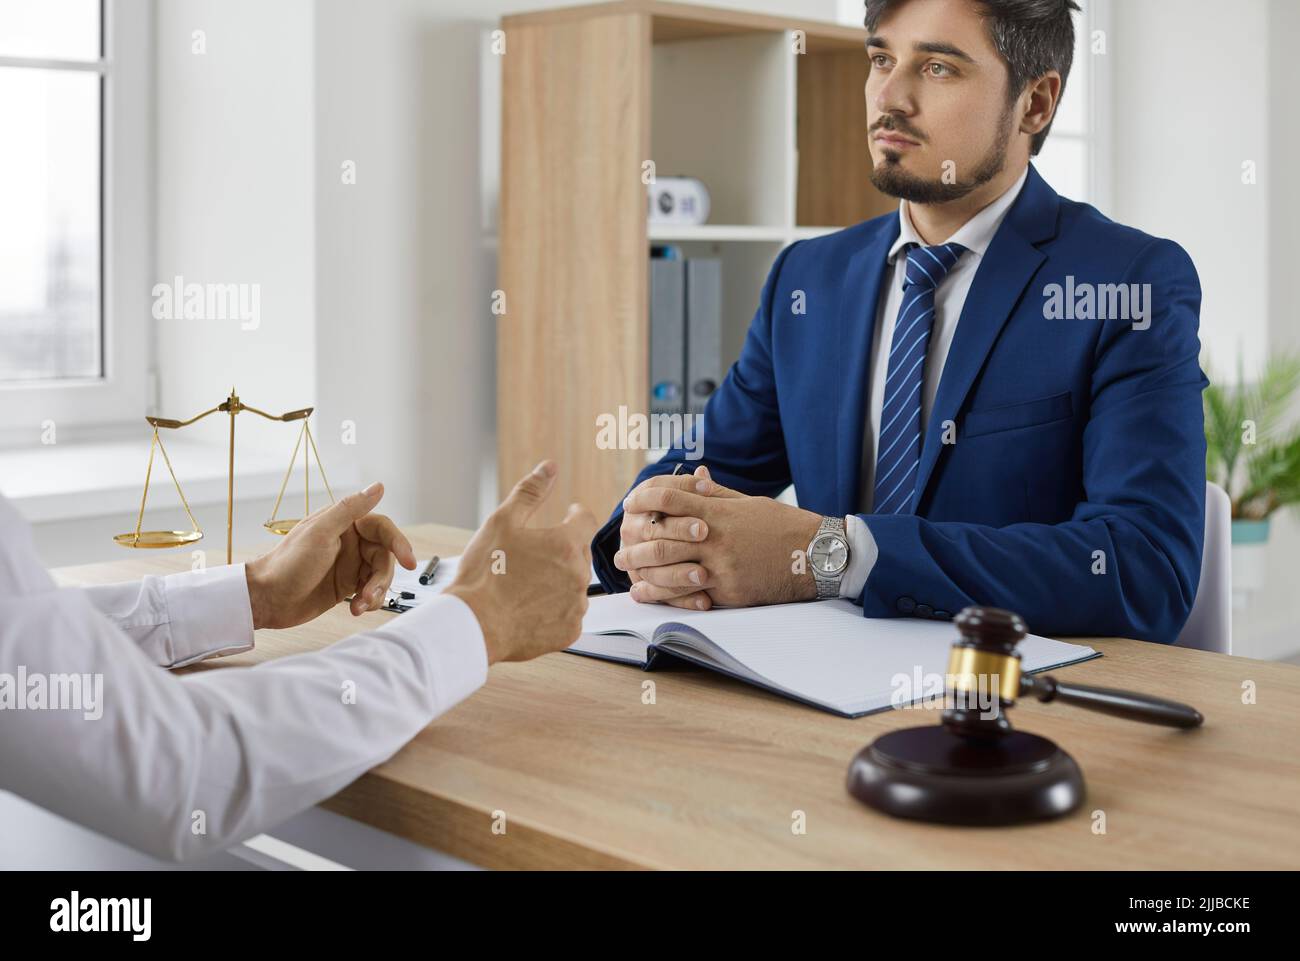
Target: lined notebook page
<point x="825" y="651"/>
<point x="619" y="614"/>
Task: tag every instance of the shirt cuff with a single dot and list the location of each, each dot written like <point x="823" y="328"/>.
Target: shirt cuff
<point x="863" y="553"/>
<point x="447" y="630"/>
<point x="209" y="613"/>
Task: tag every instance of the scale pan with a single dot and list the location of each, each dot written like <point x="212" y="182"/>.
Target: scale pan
<point x="158" y="539"/>
<point x="280" y="526"/>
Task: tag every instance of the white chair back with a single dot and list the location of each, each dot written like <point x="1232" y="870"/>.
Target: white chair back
<point x="1210" y="626"/>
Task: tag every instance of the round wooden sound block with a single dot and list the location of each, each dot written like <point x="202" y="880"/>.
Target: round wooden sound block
<point x="930" y="774"/>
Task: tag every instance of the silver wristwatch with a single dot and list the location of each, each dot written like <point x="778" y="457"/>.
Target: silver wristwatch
<point x="828" y="556"/>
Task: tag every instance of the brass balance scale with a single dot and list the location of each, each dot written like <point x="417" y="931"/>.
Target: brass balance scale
<point x="276" y="525"/>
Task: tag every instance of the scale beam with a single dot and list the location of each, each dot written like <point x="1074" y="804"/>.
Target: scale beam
<point x="232" y="406"/>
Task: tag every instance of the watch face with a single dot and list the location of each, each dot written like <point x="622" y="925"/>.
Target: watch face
<point x="829" y="555"/>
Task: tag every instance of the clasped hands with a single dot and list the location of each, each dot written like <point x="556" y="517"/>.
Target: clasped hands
<point x="690" y="542"/>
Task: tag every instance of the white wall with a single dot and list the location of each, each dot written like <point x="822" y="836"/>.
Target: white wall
<point x="406" y="347"/>
<point x="235" y="204"/>
<point x="1266" y="629"/>
<point x="1191" y="104"/>
<point x="1284" y="128"/>
<point x="1201" y="88"/>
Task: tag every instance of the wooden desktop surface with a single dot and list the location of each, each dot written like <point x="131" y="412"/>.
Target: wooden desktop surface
<point x="717" y="774"/>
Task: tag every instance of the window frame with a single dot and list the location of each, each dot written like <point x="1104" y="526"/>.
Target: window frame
<point x="1096" y="137"/>
<point x="120" y="394"/>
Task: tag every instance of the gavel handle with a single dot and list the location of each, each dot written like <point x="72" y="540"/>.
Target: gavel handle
<point x="1128" y="704"/>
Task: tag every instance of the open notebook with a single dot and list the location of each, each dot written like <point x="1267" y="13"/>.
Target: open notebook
<point x="825" y="654"/>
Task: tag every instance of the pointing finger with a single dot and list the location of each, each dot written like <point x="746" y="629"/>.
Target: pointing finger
<point x="342" y="514"/>
<point x="529" y="493"/>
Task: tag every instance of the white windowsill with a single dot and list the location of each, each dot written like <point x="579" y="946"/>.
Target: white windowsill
<point x="68" y="481"/>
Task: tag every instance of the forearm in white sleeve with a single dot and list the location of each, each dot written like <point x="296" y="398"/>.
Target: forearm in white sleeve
<point x="232" y="752"/>
<point x="181" y="618"/>
<point x="863" y="553"/>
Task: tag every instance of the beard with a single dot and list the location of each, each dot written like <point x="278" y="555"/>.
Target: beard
<point x="892" y="180"/>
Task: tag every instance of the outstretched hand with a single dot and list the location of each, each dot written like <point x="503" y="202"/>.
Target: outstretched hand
<point x="338" y="550"/>
<point x="526" y="585"/>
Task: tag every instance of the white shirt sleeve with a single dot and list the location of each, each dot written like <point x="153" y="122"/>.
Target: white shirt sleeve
<point x="863" y="554"/>
<point x="181" y="618"/>
<point x="93" y="730"/>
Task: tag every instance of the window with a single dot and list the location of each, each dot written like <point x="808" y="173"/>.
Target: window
<point x="51" y="91"/>
<point x="1075" y="157"/>
<point x="76" y="213"/>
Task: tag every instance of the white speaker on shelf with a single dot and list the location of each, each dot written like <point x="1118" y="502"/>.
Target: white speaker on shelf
<point x="679" y="201"/>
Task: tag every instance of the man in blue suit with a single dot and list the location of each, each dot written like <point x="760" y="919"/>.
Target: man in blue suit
<point x="991" y="397"/>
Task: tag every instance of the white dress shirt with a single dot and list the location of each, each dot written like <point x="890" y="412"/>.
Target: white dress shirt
<point x="975" y="235"/>
<point x="234" y="751"/>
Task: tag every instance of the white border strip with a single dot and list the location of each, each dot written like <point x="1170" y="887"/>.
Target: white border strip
<point x="37" y="63"/>
<point x="285" y="855"/>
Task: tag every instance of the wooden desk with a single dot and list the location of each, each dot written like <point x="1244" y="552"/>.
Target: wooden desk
<point x="711" y="774"/>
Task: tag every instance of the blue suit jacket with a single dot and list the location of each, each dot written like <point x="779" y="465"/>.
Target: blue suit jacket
<point x="1073" y="436"/>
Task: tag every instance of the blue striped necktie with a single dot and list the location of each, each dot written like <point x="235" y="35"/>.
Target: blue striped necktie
<point x="900" y="415"/>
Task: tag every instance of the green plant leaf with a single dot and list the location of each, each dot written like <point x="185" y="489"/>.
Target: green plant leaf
<point x="1265" y="475"/>
<point x="1273" y="478"/>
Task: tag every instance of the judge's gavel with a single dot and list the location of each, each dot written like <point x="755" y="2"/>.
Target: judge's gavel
<point x="974" y="767"/>
<point x="986" y="651"/>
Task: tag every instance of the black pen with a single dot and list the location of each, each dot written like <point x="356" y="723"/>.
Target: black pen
<point x="427" y="576"/>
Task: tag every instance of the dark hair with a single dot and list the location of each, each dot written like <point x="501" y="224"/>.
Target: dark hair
<point x="1031" y="36"/>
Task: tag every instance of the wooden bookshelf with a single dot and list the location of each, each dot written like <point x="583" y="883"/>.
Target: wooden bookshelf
<point x="589" y="93"/>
